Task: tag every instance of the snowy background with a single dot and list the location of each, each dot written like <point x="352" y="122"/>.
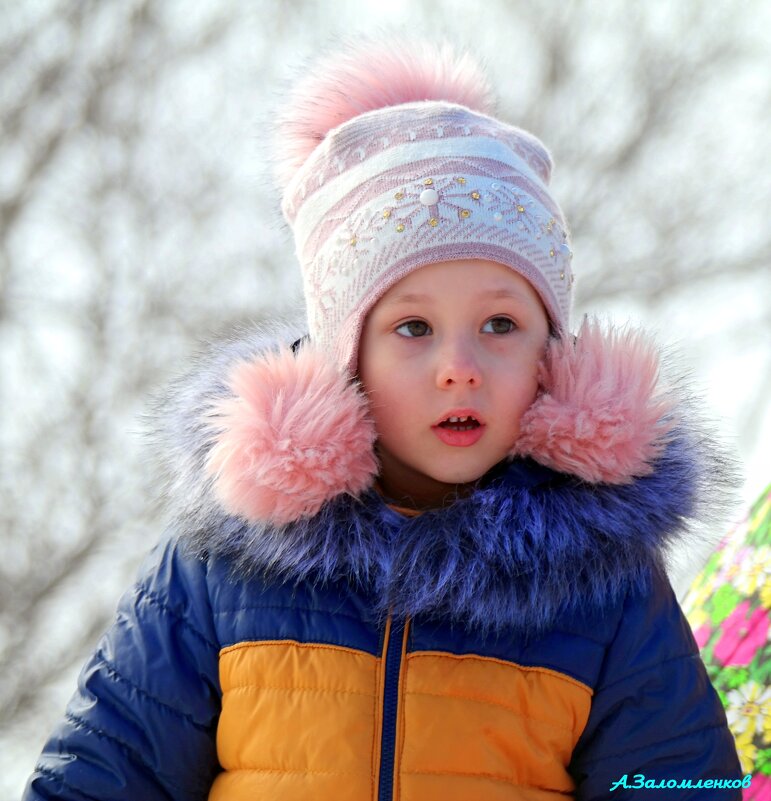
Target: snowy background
<point x="138" y="218"/>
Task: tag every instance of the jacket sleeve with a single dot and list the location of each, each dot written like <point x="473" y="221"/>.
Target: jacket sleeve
<point x="142" y="722"/>
<point x="655" y="717"/>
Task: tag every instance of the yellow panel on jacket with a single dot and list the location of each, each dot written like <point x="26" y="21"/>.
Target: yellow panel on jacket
<point x="298" y="721"/>
<point x="304" y="720"/>
<point x="479" y="727"/>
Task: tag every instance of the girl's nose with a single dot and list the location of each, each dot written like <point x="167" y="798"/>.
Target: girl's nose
<point x="457" y="364"/>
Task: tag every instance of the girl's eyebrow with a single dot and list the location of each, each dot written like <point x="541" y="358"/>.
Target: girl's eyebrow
<point x="413" y="297"/>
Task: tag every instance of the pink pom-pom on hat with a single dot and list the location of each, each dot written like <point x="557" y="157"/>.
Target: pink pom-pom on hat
<point x="293" y="434"/>
<point x="369" y="74"/>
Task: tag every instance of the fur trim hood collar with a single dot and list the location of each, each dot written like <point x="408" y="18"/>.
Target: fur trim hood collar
<point x="265" y="456"/>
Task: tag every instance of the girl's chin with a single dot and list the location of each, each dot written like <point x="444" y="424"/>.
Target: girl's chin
<point x="463" y="474"/>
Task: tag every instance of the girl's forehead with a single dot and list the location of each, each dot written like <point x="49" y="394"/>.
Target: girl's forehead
<point x="472" y="276"/>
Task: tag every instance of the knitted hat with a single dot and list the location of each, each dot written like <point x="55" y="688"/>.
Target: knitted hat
<point x="389" y="161"/>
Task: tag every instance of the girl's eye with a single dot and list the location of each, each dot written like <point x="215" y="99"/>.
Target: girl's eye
<point x="411" y="324"/>
<point x="507" y="327"/>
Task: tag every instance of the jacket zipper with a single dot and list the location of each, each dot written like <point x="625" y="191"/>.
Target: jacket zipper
<point x="393" y="660"/>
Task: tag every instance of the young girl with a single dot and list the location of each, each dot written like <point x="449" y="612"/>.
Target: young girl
<point x="420" y="553"/>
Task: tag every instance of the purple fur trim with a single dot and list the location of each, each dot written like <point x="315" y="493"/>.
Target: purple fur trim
<point x="529" y="543"/>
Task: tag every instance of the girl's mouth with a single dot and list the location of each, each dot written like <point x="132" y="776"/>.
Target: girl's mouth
<point x="459" y="433"/>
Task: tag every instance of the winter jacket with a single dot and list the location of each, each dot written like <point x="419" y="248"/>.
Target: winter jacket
<point x="523" y="642"/>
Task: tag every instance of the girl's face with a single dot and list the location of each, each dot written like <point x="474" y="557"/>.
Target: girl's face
<point x="457" y="338"/>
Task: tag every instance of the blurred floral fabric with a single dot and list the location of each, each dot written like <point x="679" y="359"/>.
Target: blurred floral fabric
<point x="728" y="606"/>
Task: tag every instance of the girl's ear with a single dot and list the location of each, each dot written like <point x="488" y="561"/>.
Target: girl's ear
<point x="294" y="433"/>
<point x="600" y="414"/>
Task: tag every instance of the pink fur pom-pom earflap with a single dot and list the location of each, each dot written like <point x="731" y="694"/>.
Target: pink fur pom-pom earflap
<point x="368" y="74"/>
<point x="600" y="415"/>
<point x="294" y="434"/>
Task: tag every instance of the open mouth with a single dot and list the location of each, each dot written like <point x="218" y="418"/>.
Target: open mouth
<point x="460" y="423"/>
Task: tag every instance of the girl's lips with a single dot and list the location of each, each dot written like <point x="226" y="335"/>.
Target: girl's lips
<point x="460" y="439"/>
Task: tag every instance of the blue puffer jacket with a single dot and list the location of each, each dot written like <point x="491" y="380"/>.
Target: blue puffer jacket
<point x="521" y="643"/>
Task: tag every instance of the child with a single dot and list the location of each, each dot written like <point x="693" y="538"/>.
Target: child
<point x="420" y="553"/>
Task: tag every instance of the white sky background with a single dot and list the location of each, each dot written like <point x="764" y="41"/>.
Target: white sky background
<point x="203" y="158"/>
